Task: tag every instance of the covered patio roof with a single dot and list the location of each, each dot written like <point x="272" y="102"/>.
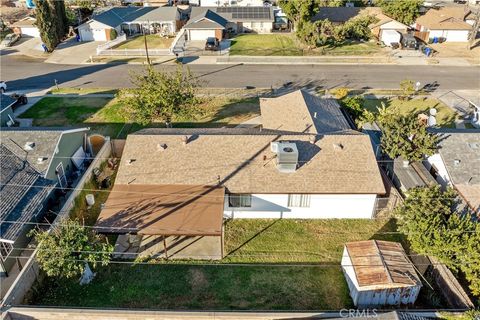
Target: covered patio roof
<point x="188" y="210"/>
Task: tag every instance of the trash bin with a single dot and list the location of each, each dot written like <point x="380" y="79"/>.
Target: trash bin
<point x="90" y="199"/>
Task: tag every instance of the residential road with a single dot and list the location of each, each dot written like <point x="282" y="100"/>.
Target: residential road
<point x="23" y="73"/>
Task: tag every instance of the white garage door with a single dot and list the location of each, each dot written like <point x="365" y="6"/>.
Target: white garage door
<point x="86" y="34"/>
<point x="201" y="34"/>
<point x="99" y="35"/>
<point x="30" y="32"/>
<point x="456" y="35"/>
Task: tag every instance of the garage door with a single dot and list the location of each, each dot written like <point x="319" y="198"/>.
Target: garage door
<point x="86" y="34"/>
<point x="201" y="34"/>
<point x="99" y="35"/>
<point x="30" y="32"/>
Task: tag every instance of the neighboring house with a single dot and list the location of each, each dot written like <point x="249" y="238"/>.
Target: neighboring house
<point x="382" y="29"/>
<point x="6" y="110"/>
<point x="457" y="163"/>
<point x="231" y="19"/>
<point x="379" y="273"/>
<point x="225" y="3"/>
<point x="36" y="165"/>
<point x="301" y="111"/>
<point x="207" y="24"/>
<point x="385" y="26"/>
<point x="446" y="22"/>
<point x="26" y="27"/>
<point x="130" y="20"/>
<point x="336" y="15"/>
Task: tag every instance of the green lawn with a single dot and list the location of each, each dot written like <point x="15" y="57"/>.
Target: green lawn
<point x="81" y="91"/>
<point x="287" y="45"/>
<point x="154" y="41"/>
<point x="265" y="45"/>
<point x="303" y="273"/>
<point x="107" y="116"/>
<point x="445" y="115"/>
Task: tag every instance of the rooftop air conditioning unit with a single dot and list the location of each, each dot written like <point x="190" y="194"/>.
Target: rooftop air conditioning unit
<point x="287" y="157"/>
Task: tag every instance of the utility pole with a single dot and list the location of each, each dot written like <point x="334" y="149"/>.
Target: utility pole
<point x="145" y="42"/>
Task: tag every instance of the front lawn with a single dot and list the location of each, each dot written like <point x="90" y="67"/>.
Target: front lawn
<point x="154" y="41"/>
<point x="303" y="271"/>
<point x="107" y="116"/>
<point x="288" y="45"/>
<point x="265" y="45"/>
<point x="445" y="115"/>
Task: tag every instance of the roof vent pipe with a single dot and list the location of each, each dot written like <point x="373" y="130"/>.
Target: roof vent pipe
<point x="184" y="140"/>
<point x="312" y="139"/>
<point x="315" y="115"/>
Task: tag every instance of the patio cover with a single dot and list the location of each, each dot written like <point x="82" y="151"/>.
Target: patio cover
<point x="188" y="210"/>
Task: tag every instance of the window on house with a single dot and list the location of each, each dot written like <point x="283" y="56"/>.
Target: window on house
<point x="236" y="200"/>
<point x="299" y="200"/>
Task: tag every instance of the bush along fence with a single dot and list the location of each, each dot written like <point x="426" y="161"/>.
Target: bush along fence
<point x="30" y="271"/>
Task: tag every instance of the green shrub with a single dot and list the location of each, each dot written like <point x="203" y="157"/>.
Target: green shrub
<point x="113" y="34"/>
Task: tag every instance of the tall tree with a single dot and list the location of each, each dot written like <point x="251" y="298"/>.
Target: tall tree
<point x="160" y="96"/>
<point x="405" y="11"/>
<point x="51" y="21"/>
<point x="429" y="219"/>
<point x="404" y="135"/>
<point x="68" y="248"/>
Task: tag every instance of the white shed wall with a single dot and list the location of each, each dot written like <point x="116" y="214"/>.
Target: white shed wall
<point x="328" y="206"/>
<point x="450" y="35"/>
<point x="380" y="297"/>
<point x="443" y="178"/>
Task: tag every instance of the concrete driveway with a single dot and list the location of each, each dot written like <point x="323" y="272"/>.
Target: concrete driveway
<point x="73" y="52"/>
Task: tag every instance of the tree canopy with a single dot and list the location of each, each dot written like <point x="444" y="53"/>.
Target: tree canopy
<point x="404" y="135"/>
<point x="429" y="219"/>
<point x="65" y="250"/>
<point x="405" y="11"/>
<point x="52" y="21"/>
<point x="160" y="95"/>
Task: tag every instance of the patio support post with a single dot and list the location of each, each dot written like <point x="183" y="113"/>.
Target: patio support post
<point x="165" y="246"/>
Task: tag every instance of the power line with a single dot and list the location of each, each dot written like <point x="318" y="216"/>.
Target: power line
<point x="195" y="230"/>
<point x="352" y="196"/>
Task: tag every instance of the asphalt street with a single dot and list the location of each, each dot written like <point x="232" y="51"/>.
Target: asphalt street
<point x="22" y="73"/>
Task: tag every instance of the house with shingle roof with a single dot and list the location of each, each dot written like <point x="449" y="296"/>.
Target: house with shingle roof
<point x="300" y="111"/>
<point x="379" y="273"/>
<point x="245" y="173"/>
<point x="130" y="20"/>
<point x="445" y="22"/>
<point x="216" y="21"/>
<point x="457" y="163"/>
<point x="36" y="164"/>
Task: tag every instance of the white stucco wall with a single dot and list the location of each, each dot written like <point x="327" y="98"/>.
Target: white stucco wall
<point x="258" y="26"/>
<point x="349" y="274"/>
<point x="443" y="178"/>
<point x="322" y="206"/>
<point x="31" y="32"/>
<point x="450" y="35"/>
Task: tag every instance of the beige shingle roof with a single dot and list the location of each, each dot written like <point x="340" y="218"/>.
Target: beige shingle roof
<point x="301" y="111"/>
<point x="447" y="18"/>
<point x="243" y="162"/>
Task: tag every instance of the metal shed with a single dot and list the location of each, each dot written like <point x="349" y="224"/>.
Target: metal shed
<point x="379" y="273"/>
